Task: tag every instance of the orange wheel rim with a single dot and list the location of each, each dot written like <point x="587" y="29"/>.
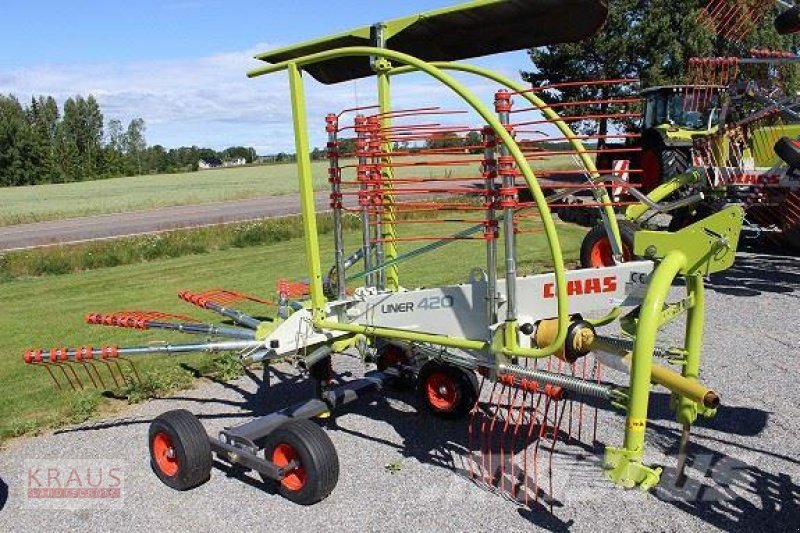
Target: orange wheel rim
<point x="601" y="255"/>
<point x="282" y="455"/>
<point x="164" y="454"/>
<point x="441" y="391"/>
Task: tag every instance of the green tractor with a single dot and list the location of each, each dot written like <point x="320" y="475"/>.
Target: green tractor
<point x="669" y="126"/>
<point x="672" y="124"/>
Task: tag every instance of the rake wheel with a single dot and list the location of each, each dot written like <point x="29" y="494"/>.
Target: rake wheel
<point x="596" y="248"/>
<point x="446" y="391"/>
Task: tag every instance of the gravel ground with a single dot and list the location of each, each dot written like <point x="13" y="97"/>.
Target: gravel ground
<point x="744" y="478"/>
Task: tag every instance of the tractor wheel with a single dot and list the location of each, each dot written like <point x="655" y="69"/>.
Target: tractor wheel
<point x="596" y="247"/>
<point x="316" y="469"/>
<point x="788" y="22"/>
<point x="789" y="151"/>
<point x="689" y="215"/>
<point x="790" y="220"/>
<point x="180" y="453"/>
<point x="446" y="391"/>
<point x="662" y="163"/>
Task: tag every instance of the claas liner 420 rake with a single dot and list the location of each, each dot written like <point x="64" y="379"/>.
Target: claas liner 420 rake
<point x="518" y="357"/>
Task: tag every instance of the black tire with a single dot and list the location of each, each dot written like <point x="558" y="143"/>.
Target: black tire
<point x="446" y="391"/>
<point x="689" y="215"/>
<point x="660" y="163"/>
<point x="180" y="453"/>
<point x="319" y="463"/>
<point x="790" y="221"/>
<point x="788" y="22"/>
<point x="674" y="161"/>
<point x="788" y="150"/>
<point x="390" y="355"/>
<point x="596" y="247"/>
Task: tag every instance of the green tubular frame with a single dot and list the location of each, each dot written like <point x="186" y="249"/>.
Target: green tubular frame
<point x="508" y="330"/>
<point x="389" y="229"/>
<point x="636" y="211"/>
<point x="624" y="465"/>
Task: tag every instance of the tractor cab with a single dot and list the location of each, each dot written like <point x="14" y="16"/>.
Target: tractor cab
<point x="673" y="117"/>
<point x="677" y="107"/>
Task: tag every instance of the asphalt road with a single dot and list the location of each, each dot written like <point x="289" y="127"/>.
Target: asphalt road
<point x="136" y="222"/>
<point x="110" y="226"/>
<point x="745" y="475"/>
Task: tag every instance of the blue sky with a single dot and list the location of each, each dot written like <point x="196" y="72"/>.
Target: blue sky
<point x="180" y="64"/>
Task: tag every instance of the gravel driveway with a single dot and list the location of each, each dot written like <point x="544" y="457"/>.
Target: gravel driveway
<point x="745" y="476"/>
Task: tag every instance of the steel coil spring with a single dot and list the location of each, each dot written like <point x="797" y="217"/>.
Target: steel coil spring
<point x="570" y="383"/>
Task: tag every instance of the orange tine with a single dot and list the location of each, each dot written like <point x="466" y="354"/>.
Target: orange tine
<point x="530" y="438"/>
<point x="474" y="413"/>
<point x="598" y="371"/>
<point x="111" y="372"/>
<point x="504" y="438"/>
<point x="132" y="367"/>
<point x="483" y="438"/>
<point x="559" y="417"/>
<point x="68" y="365"/>
<point x="490" y="434"/>
<point x="515" y="481"/>
<point x="580" y="407"/>
<point x="52" y="376"/>
<point x="88" y="373"/>
<point x="540" y="436"/>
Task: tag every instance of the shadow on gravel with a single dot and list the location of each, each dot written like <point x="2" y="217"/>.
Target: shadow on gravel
<point x="3" y="493"/>
<point x="745" y="421"/>
<point x="724" y="491"/>
<point x="754" y="274"/>
<point x="729" y="493"/>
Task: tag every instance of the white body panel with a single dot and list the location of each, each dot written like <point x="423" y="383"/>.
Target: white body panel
<point x="460" y="310"/>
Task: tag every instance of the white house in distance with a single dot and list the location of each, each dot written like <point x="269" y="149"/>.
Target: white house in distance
<point x="214" y="162"/>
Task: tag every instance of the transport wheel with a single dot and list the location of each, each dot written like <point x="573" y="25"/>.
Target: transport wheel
<point x="790" y="221"/>
<point x="316" y="464"/>
<point x="180" y="453"/>
<point x="596" y="247"/>
<point x="789" y="150"/>
<point x="391" y="355"/>
<point x="446" y="391"/>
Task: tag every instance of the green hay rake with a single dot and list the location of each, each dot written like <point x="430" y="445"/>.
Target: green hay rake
<point x="519" y="357"/>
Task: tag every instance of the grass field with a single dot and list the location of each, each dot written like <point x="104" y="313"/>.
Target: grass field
<point x="19" y="205"/>
<point x="64" y="200"/>
<point x="49" y="311"/>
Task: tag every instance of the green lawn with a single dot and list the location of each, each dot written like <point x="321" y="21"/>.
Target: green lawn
<point x="20" y="205"/>
<point x="48" y="311"/>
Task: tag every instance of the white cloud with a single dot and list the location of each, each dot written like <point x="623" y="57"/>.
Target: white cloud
<point x="209" y="101"/>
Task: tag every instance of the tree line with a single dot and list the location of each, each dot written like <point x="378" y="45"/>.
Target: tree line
<point x="650" y="40"/>
<point x="43" y="143"/>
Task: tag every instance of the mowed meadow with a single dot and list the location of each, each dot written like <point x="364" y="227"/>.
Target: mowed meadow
<point x="48" y="311"/>
<point x="35" y="203"/>
<point x="20" y="205"/>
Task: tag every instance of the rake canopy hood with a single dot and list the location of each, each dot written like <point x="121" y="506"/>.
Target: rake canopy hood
<point x="473" y="29"/>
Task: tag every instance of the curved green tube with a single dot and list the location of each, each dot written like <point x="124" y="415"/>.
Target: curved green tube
<point x="550" y="114"/>
<point x="514" y="150"/>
